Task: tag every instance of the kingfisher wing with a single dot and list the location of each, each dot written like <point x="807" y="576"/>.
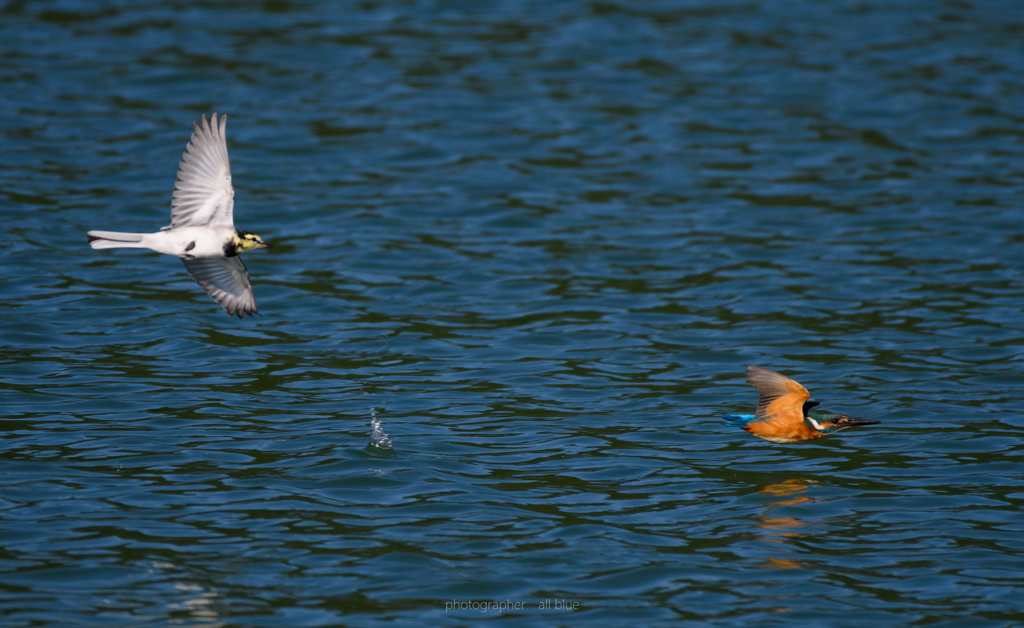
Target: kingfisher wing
<point x="203" y="195"/>
<point x="781" y="397"/>
<point x="226" y="280"/>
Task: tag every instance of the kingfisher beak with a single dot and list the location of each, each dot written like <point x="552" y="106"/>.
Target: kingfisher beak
<point x="853" y="422"/>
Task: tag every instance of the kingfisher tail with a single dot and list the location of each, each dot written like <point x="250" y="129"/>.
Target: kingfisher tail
<point x="115" y="240"/>
<point x="738" y="420"/>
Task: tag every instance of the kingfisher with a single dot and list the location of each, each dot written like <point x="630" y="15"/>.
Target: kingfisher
<point x="783" y="412"/>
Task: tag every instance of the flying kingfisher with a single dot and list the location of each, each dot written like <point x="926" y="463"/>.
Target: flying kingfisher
<point x="783" y="412"/>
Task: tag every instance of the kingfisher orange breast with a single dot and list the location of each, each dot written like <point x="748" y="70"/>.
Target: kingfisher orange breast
<point x="782" y="432"/>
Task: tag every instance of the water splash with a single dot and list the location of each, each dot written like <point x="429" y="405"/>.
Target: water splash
<point x="378" y="438"/>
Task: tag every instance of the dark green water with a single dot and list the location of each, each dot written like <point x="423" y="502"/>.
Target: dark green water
<point x="543" y="240"/>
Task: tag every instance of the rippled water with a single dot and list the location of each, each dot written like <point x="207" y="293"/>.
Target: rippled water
<point x="540" y="242"/>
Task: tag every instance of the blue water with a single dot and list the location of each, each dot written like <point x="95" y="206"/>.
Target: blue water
<point x="539" y="242"/>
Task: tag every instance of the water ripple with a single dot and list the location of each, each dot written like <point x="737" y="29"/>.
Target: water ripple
<point x="540" y="242"/>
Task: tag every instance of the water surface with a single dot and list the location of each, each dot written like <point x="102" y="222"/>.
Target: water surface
<point x="540" y="242"/>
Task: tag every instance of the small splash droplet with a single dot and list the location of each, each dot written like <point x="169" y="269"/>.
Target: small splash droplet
<point x="378" y="438"/>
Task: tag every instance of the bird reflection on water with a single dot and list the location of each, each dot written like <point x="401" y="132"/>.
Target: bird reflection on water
<point x="781" y="529"/>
